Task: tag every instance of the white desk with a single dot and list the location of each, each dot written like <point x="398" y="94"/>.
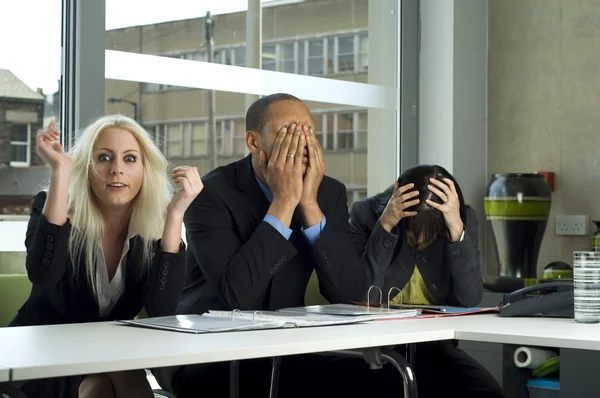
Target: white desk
<point x="63" y="350"/>
<point x="559" y="333"/>
<point x="4" y="374"/>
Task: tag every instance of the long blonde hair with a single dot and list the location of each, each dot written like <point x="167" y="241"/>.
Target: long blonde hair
<point x="149" y="207"/>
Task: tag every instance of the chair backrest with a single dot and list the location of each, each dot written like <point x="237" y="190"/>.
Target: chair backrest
<point x="14" y="291"/>
<point x="313" y="294"/>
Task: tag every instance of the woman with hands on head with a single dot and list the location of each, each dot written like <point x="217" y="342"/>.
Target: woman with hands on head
<point x="419" y="236"/>
<point x="104" y="241"/>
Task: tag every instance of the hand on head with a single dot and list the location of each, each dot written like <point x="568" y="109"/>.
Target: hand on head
<point x="402" y="199"/>
<point x="450" y="208"/>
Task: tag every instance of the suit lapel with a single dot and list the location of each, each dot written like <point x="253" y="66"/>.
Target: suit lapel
<point x="253" y="195"/>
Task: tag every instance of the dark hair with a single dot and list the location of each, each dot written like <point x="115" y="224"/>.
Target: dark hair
<point x="257" y="113"/>
<point x="428" y="221"/>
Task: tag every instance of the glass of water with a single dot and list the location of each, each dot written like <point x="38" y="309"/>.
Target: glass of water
<point x="586" y="280"/>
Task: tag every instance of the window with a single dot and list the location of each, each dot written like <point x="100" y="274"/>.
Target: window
<point x="345" y="131"/>
<point x="239" y="56"/>
<point x="361" y="130"/>
<point x="174" y="140"/>
<point x="330" y="43"/>
<point x="319" y="128"/>
<point x="329" y="133"/>
<point x="315" y="57"/>
<point x="363" y="53"/>
<point x="334" y="52"/>
<point x="345" y="54"/>
<point x="239" y="137"/>
<point x="286" y="59"/>
<point x="199" y="139"/>
<point x="158" y="136"/>
<point x="268" y="57"/>
<point x="20" y="145"/>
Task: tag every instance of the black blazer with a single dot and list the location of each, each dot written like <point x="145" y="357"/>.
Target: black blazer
<point x="238" y="261"/>
<point x="451" y="271"/>
<point x="55" y="298"/>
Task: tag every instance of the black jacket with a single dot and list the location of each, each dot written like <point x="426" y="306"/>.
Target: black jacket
<point x="56" y="299"/>
<point x="451" y="271"/>
<point x="238" y="261"/>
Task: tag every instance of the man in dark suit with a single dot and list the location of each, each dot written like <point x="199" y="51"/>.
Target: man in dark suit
<point x="263" y="224"/>
<point x="256" y="233"/>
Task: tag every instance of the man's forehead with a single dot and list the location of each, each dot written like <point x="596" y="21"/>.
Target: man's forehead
<point x="286" y="112"/>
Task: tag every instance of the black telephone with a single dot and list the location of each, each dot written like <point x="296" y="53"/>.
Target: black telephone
<point x="551" y="299"/>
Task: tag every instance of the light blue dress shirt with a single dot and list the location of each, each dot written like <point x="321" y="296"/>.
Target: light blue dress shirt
<point x="311" y="234"/>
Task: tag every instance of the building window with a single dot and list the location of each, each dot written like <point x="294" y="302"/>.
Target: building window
<point x="315" y="56"/>
<point x="363" y="53"/>
<point x="287" y="58"/>
<point x="20" y="145"/>
<point x="345" y="131"/>
<point x="269" y="60"/>
<point x="199" y="139"/>
<point x="356" y="193"/>
<point x="342" y="131"/>
<point x="174" y="140"/>
<point x="239" y="56"/>
<point x="361" y="130"/>
<point x="345" y="54"/>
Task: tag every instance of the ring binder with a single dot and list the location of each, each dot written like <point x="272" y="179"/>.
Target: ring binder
<point x="236" y="311"/>
<point x="369" y="296"/>
<point x="254" y="315"/>
<point x="388" y="296"/>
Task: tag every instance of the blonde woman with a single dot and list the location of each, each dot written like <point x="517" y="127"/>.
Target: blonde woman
<point x="104" y="241"/>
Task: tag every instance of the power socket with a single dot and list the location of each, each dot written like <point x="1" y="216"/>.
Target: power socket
<point x="572" y="225"/>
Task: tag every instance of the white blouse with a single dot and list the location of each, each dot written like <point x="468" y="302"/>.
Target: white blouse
<point x="108" y="292"/>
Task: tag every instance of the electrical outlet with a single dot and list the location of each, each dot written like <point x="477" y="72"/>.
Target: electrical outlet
<point x="572" y="225"/>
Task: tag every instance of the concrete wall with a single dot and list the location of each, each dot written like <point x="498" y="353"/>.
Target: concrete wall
<point x="543" y="86"/>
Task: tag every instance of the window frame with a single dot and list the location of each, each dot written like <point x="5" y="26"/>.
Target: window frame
<point x="26" y="144"/>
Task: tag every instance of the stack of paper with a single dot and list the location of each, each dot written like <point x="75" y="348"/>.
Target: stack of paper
<point x="350" y="310"/>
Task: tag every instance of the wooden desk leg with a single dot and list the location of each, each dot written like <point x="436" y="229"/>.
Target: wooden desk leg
<point x="234" y="379"/>
<point x="275" y="370"/>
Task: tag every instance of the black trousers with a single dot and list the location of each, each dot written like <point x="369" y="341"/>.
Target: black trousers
<point x="441" y="370"/>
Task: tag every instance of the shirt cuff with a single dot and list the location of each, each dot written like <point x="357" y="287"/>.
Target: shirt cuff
<point x="312" y="233"/>
<point x="278" y="225"/>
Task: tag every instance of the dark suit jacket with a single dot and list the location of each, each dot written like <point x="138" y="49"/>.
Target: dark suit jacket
<point x="451" y="271"/>
<point x="55" y="298"/>
<point x="238" y="261"/>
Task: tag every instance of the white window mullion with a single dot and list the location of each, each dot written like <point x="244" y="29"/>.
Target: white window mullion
<point x="206" y="140"/>
<point x="325" y="55"/>
<point x="231" y="133"/>
<point x="28" y="154"/>
<point x="356" y="51"/>
<point x="305" y="60"/>
<point x="181" y="139"/>
<point x="336" y="55"/>
<point x="278" y="57"/>
<point x="296" y="57"/>
<point x="325" y="115"/>
<point x="354" y="130"/>
<point x="335" y="131"/>
<point x="188" y="141"/>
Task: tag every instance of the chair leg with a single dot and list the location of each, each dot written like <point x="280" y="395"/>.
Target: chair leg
<point x="234" y="379"/>
<point x="402" y="365"/>
<point x="275" y="370"/>
<point x="9" y="391"/>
